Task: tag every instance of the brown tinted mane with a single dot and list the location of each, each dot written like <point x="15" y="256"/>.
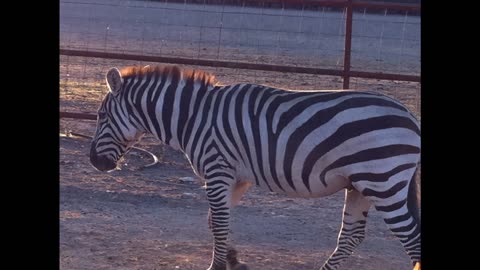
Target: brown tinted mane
<point x="164" y="70"/>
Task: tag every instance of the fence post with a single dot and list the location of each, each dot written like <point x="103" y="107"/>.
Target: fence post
<point x="348" y="45"/>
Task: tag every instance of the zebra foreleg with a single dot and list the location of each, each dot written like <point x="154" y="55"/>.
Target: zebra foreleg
<point x="237" y="192"/>
<point x="219" y="194"/>
<point x="239" y="189"/>
<point x="232" y="261"/>
<point x="352" y="232"/>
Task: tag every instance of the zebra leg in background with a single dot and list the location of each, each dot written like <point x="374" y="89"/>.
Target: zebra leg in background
<point x="353" y="228"/>
<point x="239" y="189"/>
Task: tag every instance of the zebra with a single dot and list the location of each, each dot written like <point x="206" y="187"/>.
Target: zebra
<point x="300" y="143"/>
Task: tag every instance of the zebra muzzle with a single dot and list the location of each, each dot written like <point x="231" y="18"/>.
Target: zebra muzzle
<point x="101" y="163"/>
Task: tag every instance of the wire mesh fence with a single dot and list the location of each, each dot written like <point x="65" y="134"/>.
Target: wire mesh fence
<point x="386" y="42"/>
<point x="288" y="33"/>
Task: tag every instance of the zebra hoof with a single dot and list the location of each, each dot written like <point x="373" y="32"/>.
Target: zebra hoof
<point x="233" y="262"/>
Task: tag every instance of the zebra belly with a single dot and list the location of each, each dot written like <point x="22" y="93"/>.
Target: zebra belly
<point x="334" y="184"/>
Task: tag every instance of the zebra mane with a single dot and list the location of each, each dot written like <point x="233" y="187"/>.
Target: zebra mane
<point x="200" y="76"/>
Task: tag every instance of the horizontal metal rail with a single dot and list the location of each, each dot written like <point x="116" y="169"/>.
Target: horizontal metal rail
<point x="241" y="65"/>
<point x="75" y="115"/>
<point x="344" y="3"/>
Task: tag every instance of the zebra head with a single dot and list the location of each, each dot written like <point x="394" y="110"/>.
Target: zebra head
<point x="115" y="134"/>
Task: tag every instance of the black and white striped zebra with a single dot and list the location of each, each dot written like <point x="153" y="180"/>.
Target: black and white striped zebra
<point x="302" y="143"/>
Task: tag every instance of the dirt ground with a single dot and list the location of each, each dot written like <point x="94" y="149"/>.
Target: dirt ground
<point x="155" y="218"/>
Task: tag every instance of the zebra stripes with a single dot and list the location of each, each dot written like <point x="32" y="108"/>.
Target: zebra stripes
<point x="304" y="144"/>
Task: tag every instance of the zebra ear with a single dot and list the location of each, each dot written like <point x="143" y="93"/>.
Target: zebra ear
<point x="114" y="80"/>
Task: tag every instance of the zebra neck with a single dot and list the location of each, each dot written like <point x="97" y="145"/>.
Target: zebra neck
<point x="167" y="107"/>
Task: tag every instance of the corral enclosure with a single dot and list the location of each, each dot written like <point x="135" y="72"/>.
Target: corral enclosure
<point x="155" y="218"/>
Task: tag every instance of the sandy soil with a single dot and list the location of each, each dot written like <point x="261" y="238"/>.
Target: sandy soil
<point x="155" y="218"/>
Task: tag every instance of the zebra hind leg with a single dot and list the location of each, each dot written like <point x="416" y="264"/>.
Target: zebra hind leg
<point x="352" y="232"/>
<point x="399" y="208"/>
